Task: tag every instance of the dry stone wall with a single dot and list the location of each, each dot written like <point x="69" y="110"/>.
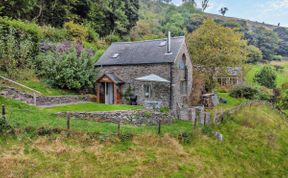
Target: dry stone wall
<point x="137" y="117"/>
<point x="15" y="94"/>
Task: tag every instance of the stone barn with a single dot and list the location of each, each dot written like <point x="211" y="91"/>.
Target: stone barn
<point x="154" y="73"/>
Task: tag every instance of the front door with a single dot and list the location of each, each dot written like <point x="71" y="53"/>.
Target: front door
<point x="109" y="93"/>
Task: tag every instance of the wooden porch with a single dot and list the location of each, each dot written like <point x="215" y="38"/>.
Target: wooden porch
<point x="109" y="89"/>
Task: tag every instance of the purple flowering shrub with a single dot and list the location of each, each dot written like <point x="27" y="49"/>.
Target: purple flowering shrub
<point x="66" y="65"/>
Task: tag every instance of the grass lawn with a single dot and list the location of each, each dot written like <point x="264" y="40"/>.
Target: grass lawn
<point x="91" y="107"/>
<point x="23" y="116"/>
<point x="255" y="145"/>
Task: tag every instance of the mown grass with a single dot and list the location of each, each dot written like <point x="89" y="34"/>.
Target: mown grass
<point x="255" y="145"/>
<point x="91" y="107"/>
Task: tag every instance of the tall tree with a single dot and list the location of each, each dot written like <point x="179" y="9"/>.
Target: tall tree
<point x="131" y="11"/>
<point x="214" y="48"/>
<point x="204" y="4"/>
<point x="266" y="40"/>
<point x="223" y="10"/>
<point x="114" y="16"/>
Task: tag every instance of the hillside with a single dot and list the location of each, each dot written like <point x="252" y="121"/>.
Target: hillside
<point x="254" y="145"/>
<point x="247" y="21"/>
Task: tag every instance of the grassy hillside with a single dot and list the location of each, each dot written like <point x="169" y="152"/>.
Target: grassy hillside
<point x="249" y="22"/>
<point x="282" y="75"/>
<point x="255" y="145"/>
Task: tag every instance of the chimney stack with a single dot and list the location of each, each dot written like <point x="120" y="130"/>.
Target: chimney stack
<point x="169" y="43"/>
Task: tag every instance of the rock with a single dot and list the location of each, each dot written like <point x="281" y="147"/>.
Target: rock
<point x="219" y="136"/>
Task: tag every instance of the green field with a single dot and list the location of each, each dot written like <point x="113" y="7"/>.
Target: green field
<point x="255" y="145"/>
<point x="282" y="75"/>
<point x="91" y="107"/>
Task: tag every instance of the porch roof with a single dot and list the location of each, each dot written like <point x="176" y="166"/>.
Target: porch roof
<point x="113" y="77"/>
<point x="152" y="78"/>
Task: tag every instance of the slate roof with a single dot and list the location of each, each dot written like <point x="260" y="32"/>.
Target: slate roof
<point x="142" y="52"/>
<point x="234" y="71"/>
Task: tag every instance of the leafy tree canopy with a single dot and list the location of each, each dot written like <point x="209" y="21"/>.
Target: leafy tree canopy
<point x="214" y="48"/>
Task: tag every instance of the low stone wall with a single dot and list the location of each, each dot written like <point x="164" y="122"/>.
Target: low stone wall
<point x="15" y="94"/>
<point x="137" y="117"/>
<point x="54" y="100"/>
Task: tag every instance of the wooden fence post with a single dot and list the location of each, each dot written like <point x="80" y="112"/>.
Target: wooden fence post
<point x="68" y="120"/>
<point x="204" y="122"/>
<point x="159" y="127"/>
<point x="118" y="128"/>
<point x="195" y="121"/>
<point x="3" y="111"/>
<point x="35" y="99"/>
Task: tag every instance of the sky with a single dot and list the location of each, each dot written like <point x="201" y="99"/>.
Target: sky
<point x="268" y="11"/>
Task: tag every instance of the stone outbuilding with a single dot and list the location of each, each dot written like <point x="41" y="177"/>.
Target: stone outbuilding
<point x="154" y="73"/>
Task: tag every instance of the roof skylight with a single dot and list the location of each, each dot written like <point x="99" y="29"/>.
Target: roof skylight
<point x="115" y="55"/>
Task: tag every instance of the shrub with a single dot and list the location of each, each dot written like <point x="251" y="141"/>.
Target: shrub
<point x="75" y="31"/>
<point x="54" y="34"/>
<point x="285" y="86"/>
<point x="17" y="46"/>
<point x="243" y="91"/>
<point x="67" y="67"/>
<point x="254" y="54"/>
<point x="266" y="77"/>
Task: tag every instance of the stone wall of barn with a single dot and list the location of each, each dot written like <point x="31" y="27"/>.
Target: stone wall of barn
<point x="179" y="98"/>
<point x="160" y="91"/>
<point x="128" y="73"/>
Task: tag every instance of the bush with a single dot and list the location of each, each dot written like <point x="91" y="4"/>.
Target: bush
<point x="243" y="91"/>
<point x="18" y="45"/>
<point x="285" y="86"/>
<point x="75" y="31"/>
<point x="67" y="67"/>
<point x="266" y="77"/>
<point x="254" y="54"/>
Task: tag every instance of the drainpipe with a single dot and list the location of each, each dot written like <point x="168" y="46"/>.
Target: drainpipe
<point x="171" y="86"/>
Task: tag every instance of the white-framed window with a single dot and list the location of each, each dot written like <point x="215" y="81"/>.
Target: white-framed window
<point x="183" y="87"/>
<point x="147" y="91"/>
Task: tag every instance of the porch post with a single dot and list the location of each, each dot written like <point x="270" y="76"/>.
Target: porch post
<point x="98" y="92"/>
<point x="115" y="93"/>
